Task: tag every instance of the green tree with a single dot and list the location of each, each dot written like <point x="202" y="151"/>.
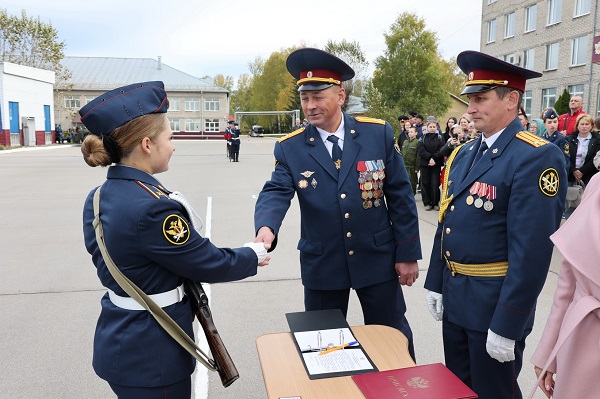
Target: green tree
<point x="562" y="103"/>
<point x="225" y="82"/>
<point x="351" y="54"/>
<point x="410" y="75"/>
<point x="31" y="42"/>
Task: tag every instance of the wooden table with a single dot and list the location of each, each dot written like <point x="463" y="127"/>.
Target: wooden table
<point x="285" y="376"/>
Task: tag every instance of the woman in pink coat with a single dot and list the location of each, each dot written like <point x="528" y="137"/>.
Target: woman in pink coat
<point x="570" y="346"/>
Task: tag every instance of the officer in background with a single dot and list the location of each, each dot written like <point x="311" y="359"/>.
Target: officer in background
<point x="235" y="143"/>
<point x="359" y="226"/>
<point x="227" y="137"/>
<point x="554" y="136"/>
<point x="503" y="197"/>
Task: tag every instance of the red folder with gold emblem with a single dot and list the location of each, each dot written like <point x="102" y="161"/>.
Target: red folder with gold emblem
<point x="430" y="381"/>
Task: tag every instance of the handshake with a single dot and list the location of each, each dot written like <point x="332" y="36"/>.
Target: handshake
<point x="262" y="243"/>
<point x="500" y="348"/>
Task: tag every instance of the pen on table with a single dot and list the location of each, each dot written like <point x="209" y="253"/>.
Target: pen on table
<point x="338" y="347"/>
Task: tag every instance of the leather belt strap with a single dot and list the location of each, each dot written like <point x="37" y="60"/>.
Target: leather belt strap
<point x="495" y="269"/>
<point x="163" y="299"/>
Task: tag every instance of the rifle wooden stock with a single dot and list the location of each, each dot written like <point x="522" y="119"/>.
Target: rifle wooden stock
<point x="224" y="364"/>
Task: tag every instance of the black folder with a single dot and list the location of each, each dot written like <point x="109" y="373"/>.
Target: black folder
<point x="322" y="320"/>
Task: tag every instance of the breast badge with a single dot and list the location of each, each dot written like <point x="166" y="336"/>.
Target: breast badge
<point x="549" y="182"/>
<point x="176" y="230"/>
<point x="302" y="183"/>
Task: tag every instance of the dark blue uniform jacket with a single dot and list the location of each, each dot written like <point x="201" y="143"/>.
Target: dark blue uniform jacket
<point x="130" y="347"/>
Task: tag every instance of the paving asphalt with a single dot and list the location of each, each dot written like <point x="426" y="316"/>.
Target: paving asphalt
<point x="50" y="295"/>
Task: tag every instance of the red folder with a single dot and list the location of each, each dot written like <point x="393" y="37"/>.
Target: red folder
<point x="430" y="381"/>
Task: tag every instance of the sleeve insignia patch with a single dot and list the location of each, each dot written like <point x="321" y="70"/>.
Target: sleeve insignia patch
<point x="567" y="148"/>
<point x="176" y="230"/>
<point x="548" y="182"/>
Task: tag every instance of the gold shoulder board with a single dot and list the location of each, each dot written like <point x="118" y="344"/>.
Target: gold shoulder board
<point x="532" y="139"/>
<point x="292" y="134"/>
<point x="364" y="119"/>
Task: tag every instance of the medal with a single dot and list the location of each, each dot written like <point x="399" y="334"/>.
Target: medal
<point x="377" y="202"/>
<point x="473" y="190"/>
<point x="361" y="179"/>
<point x="478" y="203"/>
<point x="364" y="195"/>
<point x="368" y="185"/>
<point x="470" y="200"/>
<point x="302" y="183"/>
<point x="489" y="205"/>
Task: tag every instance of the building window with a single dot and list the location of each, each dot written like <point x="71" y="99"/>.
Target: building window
<point x="554" y="11"/>
<point x="548" y="97"/>
<point x="89" y="99"/>
<point x="211" y="125"/>
<point x="509" y="26"/>
<point x="530" y="18"/>
<point x="527" y="102"/>
<point x="174" y="124"/>
<point x="173" y="104"/>
<point x="211" y="104"/>
<point x="491" y="37"/>
<point x="529" y="59"/>
<point x="192" y="125"/>
<point x="578" y="50"/>
<point x="72" y="102"/>
<point x="192" y="104"/>
<point x="575" y="90"/>
<point x="582" y="7"/>
<point x="491" y="1"/>
<point x="552" y="56"/>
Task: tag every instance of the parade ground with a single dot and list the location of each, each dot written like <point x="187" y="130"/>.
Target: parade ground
<point x="50" y="295"/>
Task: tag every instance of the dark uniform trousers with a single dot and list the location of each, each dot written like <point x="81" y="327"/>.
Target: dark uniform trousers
<point x="179" y="390"/>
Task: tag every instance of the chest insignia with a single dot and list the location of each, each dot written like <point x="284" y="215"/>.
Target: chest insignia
<point x="302" y="183"/>
<point x="307" y="174"/>
<point x="176" y="230"/>
<point x="549" y="182"/>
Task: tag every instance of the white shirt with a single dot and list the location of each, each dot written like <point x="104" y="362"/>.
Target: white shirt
<point x="339" y="133"/>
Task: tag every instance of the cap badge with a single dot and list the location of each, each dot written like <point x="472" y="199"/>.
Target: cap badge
<point x="470" y="76"/>
<point x="309" y="74"/>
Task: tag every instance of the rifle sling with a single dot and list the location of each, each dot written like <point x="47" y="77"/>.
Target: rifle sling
<point x="166" y="322"/>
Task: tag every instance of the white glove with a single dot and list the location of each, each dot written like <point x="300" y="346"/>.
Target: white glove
<point x="435" y="304"/>
<point x="259" y="249"/>
<point x="500" y="348"/>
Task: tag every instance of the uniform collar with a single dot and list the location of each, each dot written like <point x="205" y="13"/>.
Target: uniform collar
<point x="119" y="171"/>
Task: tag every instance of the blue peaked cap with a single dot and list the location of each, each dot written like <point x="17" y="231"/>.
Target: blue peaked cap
<point x="115" y="108"/>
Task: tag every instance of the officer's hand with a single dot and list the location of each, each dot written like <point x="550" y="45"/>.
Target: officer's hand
<point x="266" y="236"/>
<point x="435" y="304"/>
<point x="408" y="272"/>
<point x="500" y="348"/>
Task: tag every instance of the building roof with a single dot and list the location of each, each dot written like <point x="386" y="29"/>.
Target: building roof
<point x="106" y="73"/>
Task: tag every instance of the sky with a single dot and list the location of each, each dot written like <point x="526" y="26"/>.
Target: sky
<point x="206" y="38"/>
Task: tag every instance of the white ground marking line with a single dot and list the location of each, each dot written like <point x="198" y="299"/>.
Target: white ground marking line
<point x="201" y="380"/>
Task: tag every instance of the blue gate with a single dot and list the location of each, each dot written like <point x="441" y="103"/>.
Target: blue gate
<point x="13" y="116"/>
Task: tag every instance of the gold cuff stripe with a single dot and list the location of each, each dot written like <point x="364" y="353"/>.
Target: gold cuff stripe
<point x="324" y="80"/>
<point x="496" y="269"/>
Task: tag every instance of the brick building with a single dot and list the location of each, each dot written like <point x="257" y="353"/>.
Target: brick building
<point x="555" y="37"/>
<point x="198" y="109"/>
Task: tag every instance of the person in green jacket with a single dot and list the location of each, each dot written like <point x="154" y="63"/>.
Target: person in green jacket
<point x="411" y="159"/>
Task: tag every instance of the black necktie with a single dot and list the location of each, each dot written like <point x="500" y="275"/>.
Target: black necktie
<point x="480" y="152"/>
<point x="336" y="151"/>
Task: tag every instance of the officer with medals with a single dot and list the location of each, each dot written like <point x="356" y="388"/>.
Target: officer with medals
<point x="503" y="197"/>
<point x="359" y="225"/>
<point x="554" y="136"/>
<point x="152" y="236"/>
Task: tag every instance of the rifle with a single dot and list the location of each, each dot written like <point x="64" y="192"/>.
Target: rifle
<point x="223" y="362"/>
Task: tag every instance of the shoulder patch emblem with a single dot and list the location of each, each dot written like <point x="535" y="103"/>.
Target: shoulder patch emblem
<point x="176" y="230"/>
<point x="364" y="119"/>
<point x="292" y="134"/>
<point x="532" y="139"/>
<point x="567" y="148"/>
<point x="549" y="182"/>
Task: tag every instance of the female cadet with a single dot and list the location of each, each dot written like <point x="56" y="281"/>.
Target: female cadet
<point x="149" y="237"/>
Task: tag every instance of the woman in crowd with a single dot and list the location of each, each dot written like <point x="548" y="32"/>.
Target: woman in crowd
<point x="449" y="125"/>
<point x="151" y="235"/>
<point x="472" y="132"/>
<point x="567" y="359"/>
<point x="464" y="123"/>
<point x="536" y="126"/>
<point x="583" y="146"/>
<point x="554" y="136"/>
<point x="430" y="165"/>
